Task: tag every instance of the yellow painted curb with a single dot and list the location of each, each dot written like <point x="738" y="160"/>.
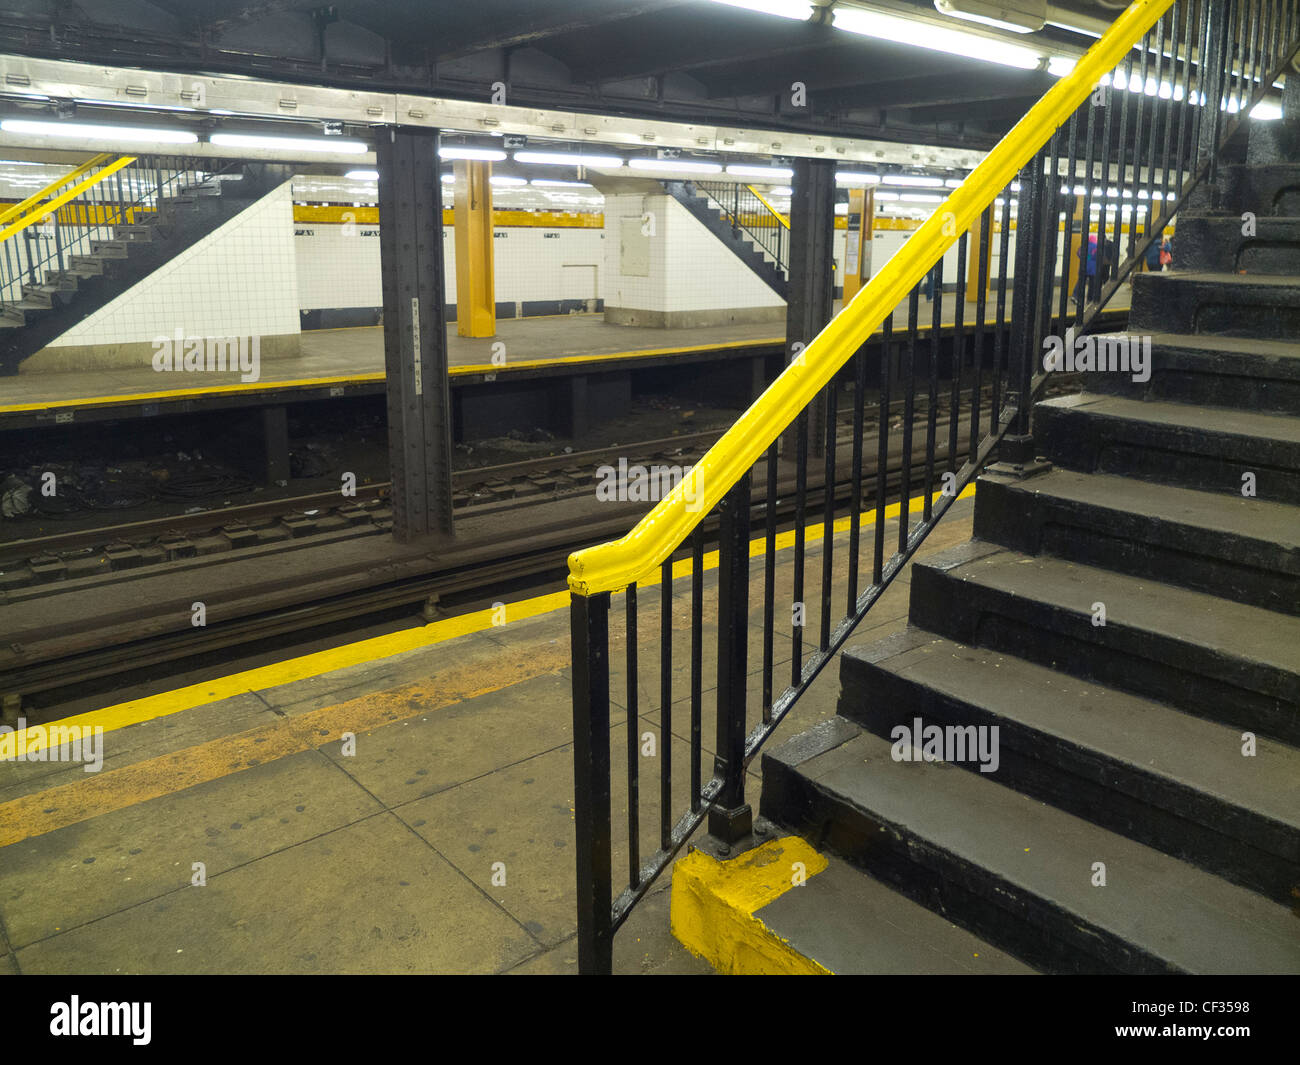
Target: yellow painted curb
<point x="713" y="907"/>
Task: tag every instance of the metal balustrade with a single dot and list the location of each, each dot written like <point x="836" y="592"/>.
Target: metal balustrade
<point x="1132" y="131"/>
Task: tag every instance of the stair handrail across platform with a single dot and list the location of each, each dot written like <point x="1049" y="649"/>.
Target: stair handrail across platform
<point x="750" y="212"/>
<point x="21" y="209"/>
<point x="110" y="192"/>
<point x="1108" y="154"/>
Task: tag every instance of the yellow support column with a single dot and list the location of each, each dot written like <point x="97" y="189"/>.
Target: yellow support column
<point x="476" y="308"/>
<point x="857" y="244"/>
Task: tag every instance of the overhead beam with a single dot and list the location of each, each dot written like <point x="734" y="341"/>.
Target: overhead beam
<point x="66" y="79"/>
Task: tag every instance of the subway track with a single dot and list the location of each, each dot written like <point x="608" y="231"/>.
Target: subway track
<point x="281" y="592"/>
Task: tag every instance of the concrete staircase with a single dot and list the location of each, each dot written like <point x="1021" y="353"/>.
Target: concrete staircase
<point x="1129" y="621"/>
<point x="717" y="223"/>
<point x="64" y="297"/>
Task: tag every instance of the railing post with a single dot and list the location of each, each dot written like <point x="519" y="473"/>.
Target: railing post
<point x="1017" y="446"/>
<point x="1214" y="72"/>
<point x="589" y="627"/>
<point x="730" y="817"/>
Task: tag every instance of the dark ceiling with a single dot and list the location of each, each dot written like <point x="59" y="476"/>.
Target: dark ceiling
<point x="686" y="60"/>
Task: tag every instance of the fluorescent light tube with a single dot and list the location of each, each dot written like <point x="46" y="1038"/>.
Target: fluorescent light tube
<point x="294" y="144"/>
<point x="568" y="159"/>
<point x="775" y="173"/>
<point x="936" y="38"/>
<point x="84" y="131"/>
<point x="675" y="164"/>
<point x="484" y="155"/>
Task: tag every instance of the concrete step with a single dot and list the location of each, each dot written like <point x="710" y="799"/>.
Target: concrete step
<point x="1016" y="871"/>
<point x="1258" y="375"/>
<point x="86" y="265"/>
<point x="46" y="295"/>
<point x="110" y="249"/>
<point x="1222" y="304"/>
<point x="135" y="234"/>
<point x="1216" y="243"/>
<point x="1134" y="766"/>
<point x="1247" y="550"/>
<point x="1225" y="661"/>
<point x="1209" y="448"/>
<point x="1264" y="188"/>
<point x="854" y="925"/>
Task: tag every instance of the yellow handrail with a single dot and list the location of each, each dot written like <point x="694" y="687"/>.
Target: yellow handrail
<point x="763" y="200"/>
<point x="614" y="565"/>
<point x="36" y="214"/>
<point x="19" y="209"/>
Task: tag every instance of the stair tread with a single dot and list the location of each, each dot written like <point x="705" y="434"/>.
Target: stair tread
<point x="1233" y="515"/>
<point x="1287" y="351"/>
<point x="1169" y="908"/>
<point x="1225" y="278"/>
<point x="1139" y="732"/>
<point x="1272" y="427"/>
<point x="1233" y="630"/>
<point x="854" y="924"/>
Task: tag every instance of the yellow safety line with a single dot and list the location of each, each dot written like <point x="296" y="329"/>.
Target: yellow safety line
<point x="44" y="209"/>
<point x="616" y="564"/>
<point x="369" y="651"/>
<point x="40" y="812"/>
<point x="18" y="209"/>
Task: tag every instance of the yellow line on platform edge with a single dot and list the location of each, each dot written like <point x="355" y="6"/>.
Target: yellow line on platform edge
<point x="305" y="667"/>
<point x="464" y="370"/>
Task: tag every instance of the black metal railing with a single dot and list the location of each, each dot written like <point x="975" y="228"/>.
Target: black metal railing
<point x="1100" y="188"/>
<point x="751" y="216"/>
<point x="124" y="197"/>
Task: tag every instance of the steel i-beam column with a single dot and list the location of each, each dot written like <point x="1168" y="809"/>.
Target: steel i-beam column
<point x="811" y="302"/>
<point x="476" y="307"/>
<point x="415" y="331"/>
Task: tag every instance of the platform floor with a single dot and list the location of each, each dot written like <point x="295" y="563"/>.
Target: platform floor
<point x="382" y="861"/>
<point x="356" y="355"/>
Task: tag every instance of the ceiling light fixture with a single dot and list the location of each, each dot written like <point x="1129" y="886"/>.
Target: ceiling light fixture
<point x="675" y="164"/>
<point x="292" y="144"/>
<point x="605" y="162"/>
<point x="898" y="30"/>
<point x="1018" y="16"/>
<point x="482" y="155"/>
<point x="85" y="131"/>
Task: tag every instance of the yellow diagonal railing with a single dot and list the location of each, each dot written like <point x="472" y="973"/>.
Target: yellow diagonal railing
<point x="39" y="208"/>
<point x="775" y="213"/>
<point x="18" y="209"/>
<point x="612" y="566"/>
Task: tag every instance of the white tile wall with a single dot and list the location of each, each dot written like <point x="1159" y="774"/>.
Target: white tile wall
<point x="239" y="280"/>
<point x="340" y="267"/>
<point x="690" y="269"/>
